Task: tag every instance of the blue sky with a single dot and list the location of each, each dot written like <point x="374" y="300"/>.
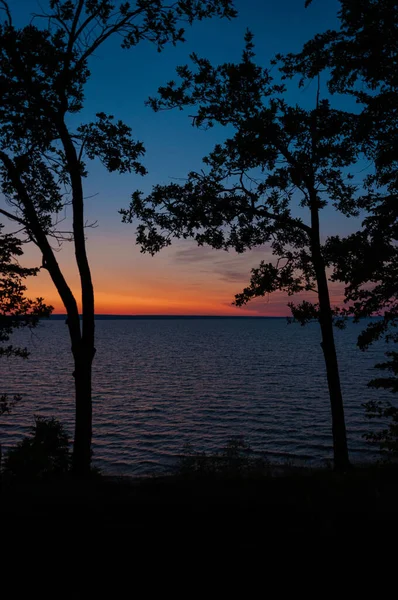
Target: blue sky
<point x="121" y="82"/>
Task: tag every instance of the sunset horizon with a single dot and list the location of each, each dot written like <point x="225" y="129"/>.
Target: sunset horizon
<point x="198" y="275"/>
<point x="183" y="278"/>
<point x="176" y="315"/>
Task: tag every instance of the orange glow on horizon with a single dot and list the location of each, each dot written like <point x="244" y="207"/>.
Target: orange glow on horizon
<point x="181" y="301"/>
<point x="171" y="301"/>
<point x="133" y="284"/>
<point x="131" y="306"/>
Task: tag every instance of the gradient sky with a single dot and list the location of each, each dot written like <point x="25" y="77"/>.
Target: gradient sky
<point x="183" y="279"/>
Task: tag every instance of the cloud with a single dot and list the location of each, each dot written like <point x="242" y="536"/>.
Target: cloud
<point x="195" y="254"/>
<point x="234" y="275"/>
<point x="273" y="305"/>
<point x="226" y="266"/>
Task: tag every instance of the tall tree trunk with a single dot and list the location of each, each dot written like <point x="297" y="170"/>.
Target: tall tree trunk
<point x="340" y="448"/>
<point x="84" y="355"/>
<point x="82" y="341"/>
<point x="81" y="460"/>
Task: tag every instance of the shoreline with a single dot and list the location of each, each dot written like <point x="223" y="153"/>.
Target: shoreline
<point x="240" y="510"/>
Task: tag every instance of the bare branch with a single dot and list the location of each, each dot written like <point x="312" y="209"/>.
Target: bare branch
<point x="294" y="222"/>
<point x="92" y="225"/>
<point x="72" y="36"/>
<point x="4" y="6"/>
<point x="12" y="217"/>
<point x="106" y="33"/>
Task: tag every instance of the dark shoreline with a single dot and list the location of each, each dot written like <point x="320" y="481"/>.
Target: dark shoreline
<point x="245" y="511"/>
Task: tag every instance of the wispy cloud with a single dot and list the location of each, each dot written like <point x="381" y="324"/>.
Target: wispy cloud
<point x="195" y="254"/>
<point x="226" y="266"/>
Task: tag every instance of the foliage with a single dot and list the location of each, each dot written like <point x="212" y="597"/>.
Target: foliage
<point x="281" y="159"/>
<point x="6" y="404"/>
<point x="43" y="74"/>
<point x="387" y="438"/>
<point x="266" y="185"/>
<point x="234" y="459"/>
<point x="16" y="310"/>
<point x="44" y="68"/>
<point x="43" y="454"/>
<point x="358" y="59"/>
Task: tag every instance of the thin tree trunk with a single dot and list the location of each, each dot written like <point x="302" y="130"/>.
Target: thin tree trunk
<point x="81" y="460"/>
<point x="85" y="354"/>
<point x="82" y="341"/>
<point x="340" y="448"/>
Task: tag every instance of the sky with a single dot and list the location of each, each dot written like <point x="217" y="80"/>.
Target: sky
<point x="182" y="279"/>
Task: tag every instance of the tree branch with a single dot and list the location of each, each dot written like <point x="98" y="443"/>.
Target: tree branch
<point x="4" y="6"/>
<point x="12" y="217"/>
<point x="294" y="222"/>
<point x="73" y="35"/>
<point x="106" y="33"/>
<point x="49" y="259"/>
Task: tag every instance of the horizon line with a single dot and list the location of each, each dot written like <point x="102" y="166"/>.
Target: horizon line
<point x="165" y="316"/>
<point x="178" y="316"/>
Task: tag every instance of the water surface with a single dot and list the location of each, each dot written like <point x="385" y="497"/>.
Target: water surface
<point x="160" y="383"/>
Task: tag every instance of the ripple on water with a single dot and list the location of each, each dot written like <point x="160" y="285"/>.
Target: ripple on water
<point x="161" y="383"/>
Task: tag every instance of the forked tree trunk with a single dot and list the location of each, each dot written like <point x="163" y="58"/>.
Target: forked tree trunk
<point x="84" y="352"/>
<point x="82" y="338"/>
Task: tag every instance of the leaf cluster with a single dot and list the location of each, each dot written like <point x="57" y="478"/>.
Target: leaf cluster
<point x="16" y="310"/>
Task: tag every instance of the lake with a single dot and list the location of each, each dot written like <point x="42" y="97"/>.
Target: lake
<point x="160" y="383"/>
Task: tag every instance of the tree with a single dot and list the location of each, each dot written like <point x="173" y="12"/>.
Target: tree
<point x="281" y="160"/>
<point x="43" y="454"/>
<point x="386" y="439"/>
<point x="360" y="59"/>
<point x="43" y="71"/>
<point x="16" y="310"/>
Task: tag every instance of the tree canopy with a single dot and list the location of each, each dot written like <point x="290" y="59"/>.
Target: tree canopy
<point x="265" y="185"/>
<point x="259" y="185"/>
<point x="360" y="60"/>
<point x="44" y="68"/>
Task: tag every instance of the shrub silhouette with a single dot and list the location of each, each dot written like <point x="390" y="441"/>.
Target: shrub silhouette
<point x="43" y="454"/>
<point x="387" y="438"/>
<point x="234" y="459"/>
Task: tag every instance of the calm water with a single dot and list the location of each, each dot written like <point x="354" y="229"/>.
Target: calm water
<point x="161" y="383"/>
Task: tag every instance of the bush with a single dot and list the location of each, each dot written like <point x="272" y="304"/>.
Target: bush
<point x="387" y="438"/>
<point x="43" y="454"/>
<point x="233" y="460"/>
<point x="6" y="404"/>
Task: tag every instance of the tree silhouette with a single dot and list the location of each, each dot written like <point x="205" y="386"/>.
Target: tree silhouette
<point x="43" y="71"/>
<point x="360" y="59"/>
<point x="266" y="184"/>
<point x="16" y="310"/>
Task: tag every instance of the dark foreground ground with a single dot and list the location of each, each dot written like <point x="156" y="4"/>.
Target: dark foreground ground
<point x="224" y="512"/>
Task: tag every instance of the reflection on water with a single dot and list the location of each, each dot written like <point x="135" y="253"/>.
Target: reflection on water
<point x="161" y="383"/>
